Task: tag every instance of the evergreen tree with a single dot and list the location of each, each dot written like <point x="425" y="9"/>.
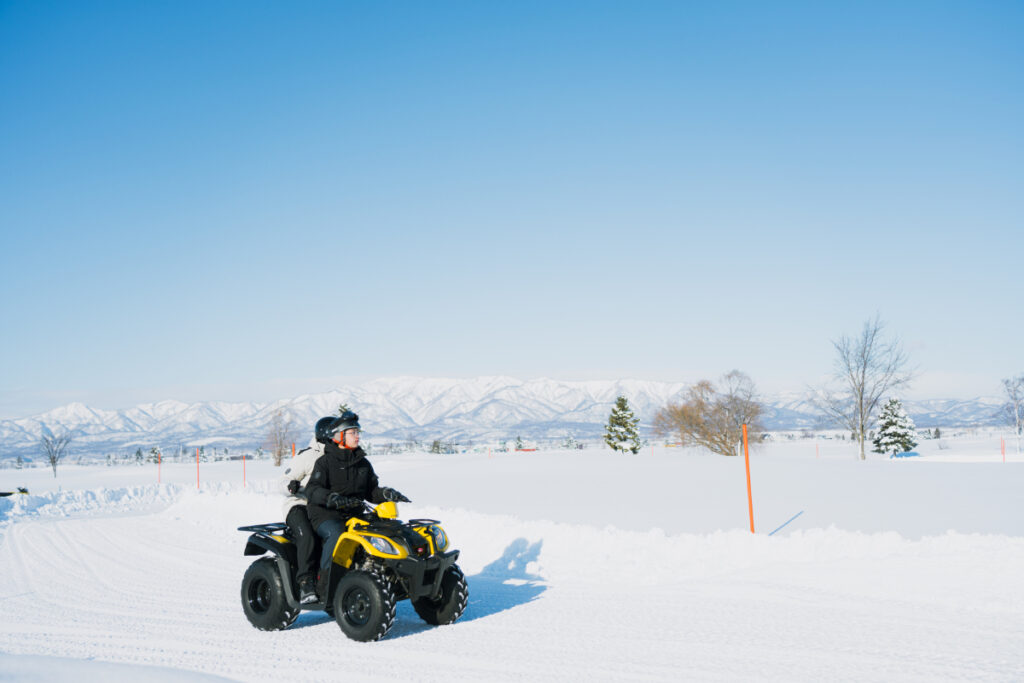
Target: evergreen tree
<point x="621" y="434"/>
<point x="896" y="431"/>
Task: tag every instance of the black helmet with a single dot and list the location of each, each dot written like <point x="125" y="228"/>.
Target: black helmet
<point x="348" y="420"/>
<point x="320" y="431"/>
<point x="327" y="428"/>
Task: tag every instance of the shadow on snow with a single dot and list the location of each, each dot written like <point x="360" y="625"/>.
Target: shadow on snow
<point x="505" y="583"/>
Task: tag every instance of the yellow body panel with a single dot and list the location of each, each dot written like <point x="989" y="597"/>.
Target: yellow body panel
<point x="387" y="510"/>
<point x="355" y="537"/>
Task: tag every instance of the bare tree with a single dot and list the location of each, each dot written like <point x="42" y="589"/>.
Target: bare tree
<point x="281" y="427"/>
<point x="867" y="367"/>
<point x="54" y="447"/>
<point x="714" y="418"/>
<point x="1014" y="407"/>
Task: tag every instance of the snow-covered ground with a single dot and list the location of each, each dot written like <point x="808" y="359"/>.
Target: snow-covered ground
<point x="582" y="565"/>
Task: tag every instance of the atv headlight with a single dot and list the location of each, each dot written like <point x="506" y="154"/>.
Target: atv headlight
<point x="440" y="538"/>
<point x="383" y="545"/>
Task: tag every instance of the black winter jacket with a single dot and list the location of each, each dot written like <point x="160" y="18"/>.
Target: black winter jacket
<point x="340" y="470"/>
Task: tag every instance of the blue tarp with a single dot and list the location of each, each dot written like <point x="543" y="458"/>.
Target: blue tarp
<point x="905" y="454"/>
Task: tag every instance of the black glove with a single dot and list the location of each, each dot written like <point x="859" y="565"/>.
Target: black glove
<point x="336" y="501"/>
<point x="293" y="486"/>
<point x="393" y="495"/>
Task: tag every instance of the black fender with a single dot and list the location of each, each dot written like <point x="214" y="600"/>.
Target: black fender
<point x="423" y="576"/>
<point x="261" y="542"/>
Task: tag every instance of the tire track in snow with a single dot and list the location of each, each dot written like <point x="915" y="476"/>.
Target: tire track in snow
<point x="72" y="573"/>
<point x="14" y="563"/>
<point x="25" y="546"/>
<point x="63" y="578"/>
<point x="103" y="602"/>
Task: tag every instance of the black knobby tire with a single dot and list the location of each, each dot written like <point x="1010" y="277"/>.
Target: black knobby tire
<point x="364" y="606"/>
<point x="452" y="602"/>
<point x="388" y="580"/>
<point x="263" y="597"/>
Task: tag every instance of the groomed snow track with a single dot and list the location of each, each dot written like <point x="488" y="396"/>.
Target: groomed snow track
<point x="548" y="602"/>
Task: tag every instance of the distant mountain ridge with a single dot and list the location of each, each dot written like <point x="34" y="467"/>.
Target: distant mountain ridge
<point x="481" y="409"/>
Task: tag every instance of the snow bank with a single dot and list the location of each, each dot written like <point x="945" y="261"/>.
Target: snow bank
<point x="108" y="501"/>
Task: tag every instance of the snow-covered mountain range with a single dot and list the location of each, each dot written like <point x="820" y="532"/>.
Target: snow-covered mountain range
<point x="483" y="409"/>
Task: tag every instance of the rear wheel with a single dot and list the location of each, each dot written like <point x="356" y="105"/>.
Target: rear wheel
<point x="450" y="604"/>
<point x="263" y="597"/>
<point x="364" y="606"/>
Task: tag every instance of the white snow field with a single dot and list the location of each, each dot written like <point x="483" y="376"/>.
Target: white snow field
<point x="582" y="565"/>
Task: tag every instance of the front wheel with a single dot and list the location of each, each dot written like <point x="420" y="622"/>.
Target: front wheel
<point x="450" y="604"/>
<point x="263" y="598"/>
<point x="364" y="606"/>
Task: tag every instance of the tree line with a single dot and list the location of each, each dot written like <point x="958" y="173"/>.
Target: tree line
<point x="868" y="368"/>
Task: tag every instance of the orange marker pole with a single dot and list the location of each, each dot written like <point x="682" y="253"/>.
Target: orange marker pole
<point x="158" y="467"/>
<point x="197" y="468"/>
<point x="293" y="449"/>
<point x="750" y="497"/>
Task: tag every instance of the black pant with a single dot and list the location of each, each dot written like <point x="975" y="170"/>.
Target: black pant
<point x="305" y="541"/>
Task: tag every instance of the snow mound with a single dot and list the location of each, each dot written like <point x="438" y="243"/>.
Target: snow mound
<point x="111" y="501"/>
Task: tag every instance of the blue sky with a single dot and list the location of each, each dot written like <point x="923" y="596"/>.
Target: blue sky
<point x="251" y="200"/>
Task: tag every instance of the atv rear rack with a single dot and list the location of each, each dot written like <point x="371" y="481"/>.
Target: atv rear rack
<point x="265" y="528"/>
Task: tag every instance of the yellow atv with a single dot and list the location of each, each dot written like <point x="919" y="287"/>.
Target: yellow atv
<point x="378" y="560"/>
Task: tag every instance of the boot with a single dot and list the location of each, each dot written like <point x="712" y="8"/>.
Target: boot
<point x="321" y="585"/>
<point x="307" y="590"/>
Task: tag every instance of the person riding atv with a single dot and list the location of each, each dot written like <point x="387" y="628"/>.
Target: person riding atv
<point x="371" y="561"/>
<point x="342" y="479"/>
